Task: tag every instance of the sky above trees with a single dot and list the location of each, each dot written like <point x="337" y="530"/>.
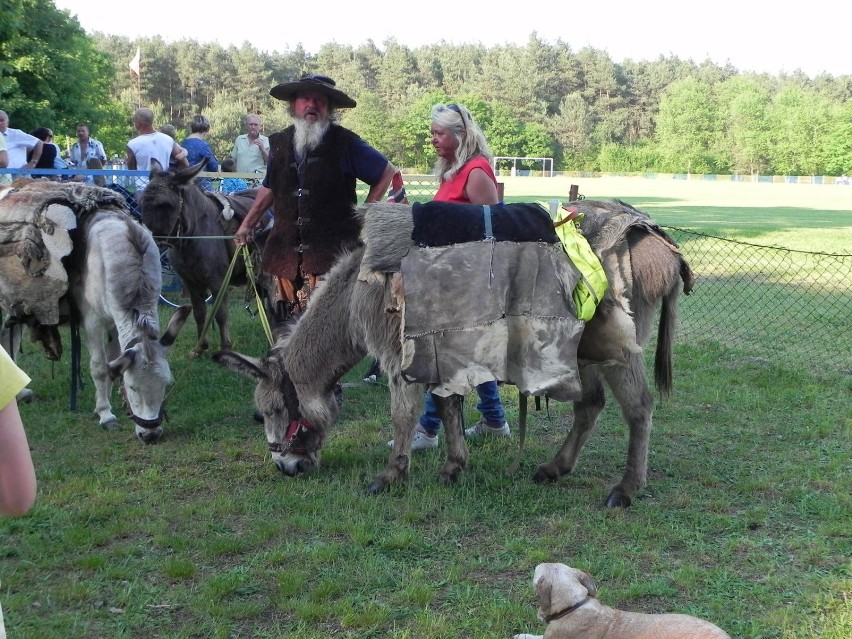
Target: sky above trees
<point x="758" y="37"/>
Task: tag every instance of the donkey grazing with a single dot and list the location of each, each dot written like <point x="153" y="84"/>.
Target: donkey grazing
<point x="174" y="207"/>
<point x="352" y="315"/>
<point x="113" y="275"/>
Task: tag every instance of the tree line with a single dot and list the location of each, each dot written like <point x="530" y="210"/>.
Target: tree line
<point x="543" y="99"/>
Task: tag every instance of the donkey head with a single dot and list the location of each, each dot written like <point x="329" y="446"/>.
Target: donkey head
<point x="146" y="374"/>
<point x="161" y="203"/>
<point x="294" y="441"/>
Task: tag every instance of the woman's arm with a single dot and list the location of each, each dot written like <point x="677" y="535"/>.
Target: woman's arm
<point x="480" y="188"/>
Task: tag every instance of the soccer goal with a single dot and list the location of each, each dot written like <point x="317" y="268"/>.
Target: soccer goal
<point x="511" y="163"/>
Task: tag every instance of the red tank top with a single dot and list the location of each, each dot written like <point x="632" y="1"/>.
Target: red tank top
<point x="453" y="190"/>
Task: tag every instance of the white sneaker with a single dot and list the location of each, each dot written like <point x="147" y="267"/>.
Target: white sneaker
<point x="422" y="440"/>
<point x="481" y="428"/>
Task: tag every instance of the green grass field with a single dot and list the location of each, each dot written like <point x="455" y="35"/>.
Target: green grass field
<point x="745" y="519"/>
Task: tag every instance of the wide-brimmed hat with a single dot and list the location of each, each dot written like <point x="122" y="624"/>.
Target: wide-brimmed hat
<point x="313" y="82"/>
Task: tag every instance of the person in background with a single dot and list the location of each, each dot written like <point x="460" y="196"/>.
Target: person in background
<point x="232" y="184"/>
<point x="251" y="150"/>
<point x="85" y="147"/>
<point x="310" y="185"/>
<point x="199" y="150"/>
<point x="149" y="145"/>
<point x="95" y="164"/>
<point x="5" y="178"/>
<point x="49" y="151"/>
<point x="20" y="146"/>
<point x="171" y="131"/>
<point x="465" y="176"/>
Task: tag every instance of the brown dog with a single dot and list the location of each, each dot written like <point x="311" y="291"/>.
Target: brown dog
<point x="566" y="602"/>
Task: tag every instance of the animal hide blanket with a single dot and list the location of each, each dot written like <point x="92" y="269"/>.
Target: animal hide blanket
<point x="35" y="220"/>
<point x="479" y="311"/>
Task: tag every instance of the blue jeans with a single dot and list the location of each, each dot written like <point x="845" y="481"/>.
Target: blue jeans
<point x="489" y="405"/>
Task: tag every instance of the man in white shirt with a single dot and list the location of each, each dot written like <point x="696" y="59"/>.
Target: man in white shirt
<point x="149" y="145"/>
<point x="5" y="178"/>
<point x="251" y="150"/>
<point x="86" y="147"/>
<point x="18" y="144"/>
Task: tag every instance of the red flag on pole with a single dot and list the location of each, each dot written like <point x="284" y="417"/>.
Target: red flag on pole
<point x="135" y="63"/>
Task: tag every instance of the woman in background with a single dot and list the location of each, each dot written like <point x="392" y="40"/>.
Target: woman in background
<point x="464" y="171"/>
<point x="198" y="149"/>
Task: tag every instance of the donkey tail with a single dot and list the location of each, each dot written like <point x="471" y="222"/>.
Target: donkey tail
<point x="665" y="333"/>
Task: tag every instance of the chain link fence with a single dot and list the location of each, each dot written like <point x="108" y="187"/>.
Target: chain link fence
<point x="766" y="303"/>
<point x="769" y="304"/>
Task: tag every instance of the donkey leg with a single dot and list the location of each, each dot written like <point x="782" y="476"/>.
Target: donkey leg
<point x="99" y="369"/>
<point x="630" y="387"/>
<point x="406" y="402"/>
<point x="450" y="410"/>
<point x="586" y="412"/>
<point x="222" y="321"/>
<point x="199" y="313"/>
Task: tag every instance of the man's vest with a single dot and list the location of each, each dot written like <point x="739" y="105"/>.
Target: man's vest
<point x="314" y="205"/>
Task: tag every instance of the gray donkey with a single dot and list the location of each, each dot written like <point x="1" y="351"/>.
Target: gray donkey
<point x="357" y="311"/>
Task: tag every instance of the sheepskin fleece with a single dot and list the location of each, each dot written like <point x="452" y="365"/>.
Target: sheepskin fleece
<point x="35" y="220"/>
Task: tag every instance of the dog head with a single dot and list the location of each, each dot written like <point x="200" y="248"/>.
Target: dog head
<point x="559" y="587"/>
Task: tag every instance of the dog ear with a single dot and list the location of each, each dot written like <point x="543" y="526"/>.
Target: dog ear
<point x="588" y="583"/>
<point x="542" y="591"/>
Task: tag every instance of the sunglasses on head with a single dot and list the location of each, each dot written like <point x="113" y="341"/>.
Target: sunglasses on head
<point x="457" y="109"/>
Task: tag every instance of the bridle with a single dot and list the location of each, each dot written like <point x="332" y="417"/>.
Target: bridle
<point x="295" y="429"/>
<point x="567" y="611"/>
<point x="148" y="424"/>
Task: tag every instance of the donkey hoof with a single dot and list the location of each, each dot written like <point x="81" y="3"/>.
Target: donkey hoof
<point x="543" y="474"/>
<point x="376" y="487"/>
<point x="449" y="477"/>
<point x="111" y="425"/>
<point x="617" y="499"/>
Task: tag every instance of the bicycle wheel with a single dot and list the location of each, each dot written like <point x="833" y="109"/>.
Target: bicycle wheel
<point x="172" y="292"/>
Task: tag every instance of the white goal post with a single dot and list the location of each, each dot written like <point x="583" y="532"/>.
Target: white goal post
<point x="545" y="163"/>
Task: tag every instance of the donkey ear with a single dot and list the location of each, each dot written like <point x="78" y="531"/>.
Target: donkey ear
<point x="122" y="363"/>
<point x="184" y="176"/>
<point x="249" y="366"/>
<point x="156" y="167"/>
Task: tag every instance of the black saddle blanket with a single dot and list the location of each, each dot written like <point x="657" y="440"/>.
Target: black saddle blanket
<point x="445" y="224"/>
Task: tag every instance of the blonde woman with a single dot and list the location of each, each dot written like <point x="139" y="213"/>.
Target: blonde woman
<point x="464" y="171"/>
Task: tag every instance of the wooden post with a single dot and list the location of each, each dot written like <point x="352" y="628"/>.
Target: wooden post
<point x="573" y="193"/>
<point x="500" y="190"/>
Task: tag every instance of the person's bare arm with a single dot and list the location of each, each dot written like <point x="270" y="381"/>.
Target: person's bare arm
<point x="36" y="156"/>
<point x="378" y="190"/>
<point x="262" y="203"/>
<point x="480" y="188"/>
<point x="179" y="155"/>
<point x="17" y="475"/>
<point x="131" y="159"/>
<point x="4" y="159"/>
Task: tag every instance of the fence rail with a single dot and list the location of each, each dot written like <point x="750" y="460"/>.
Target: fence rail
<point x="766" y="303"/>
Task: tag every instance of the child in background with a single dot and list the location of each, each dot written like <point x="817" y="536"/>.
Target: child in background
<point x="231" y="185"/>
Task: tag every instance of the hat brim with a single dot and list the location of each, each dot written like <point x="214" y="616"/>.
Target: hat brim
<point x="289" y="90"/>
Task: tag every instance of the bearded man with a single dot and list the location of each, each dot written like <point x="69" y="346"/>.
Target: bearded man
<point x="310" y="187"/>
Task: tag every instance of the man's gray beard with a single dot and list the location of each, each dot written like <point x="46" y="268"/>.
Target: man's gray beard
<point x="308" y="135"/>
